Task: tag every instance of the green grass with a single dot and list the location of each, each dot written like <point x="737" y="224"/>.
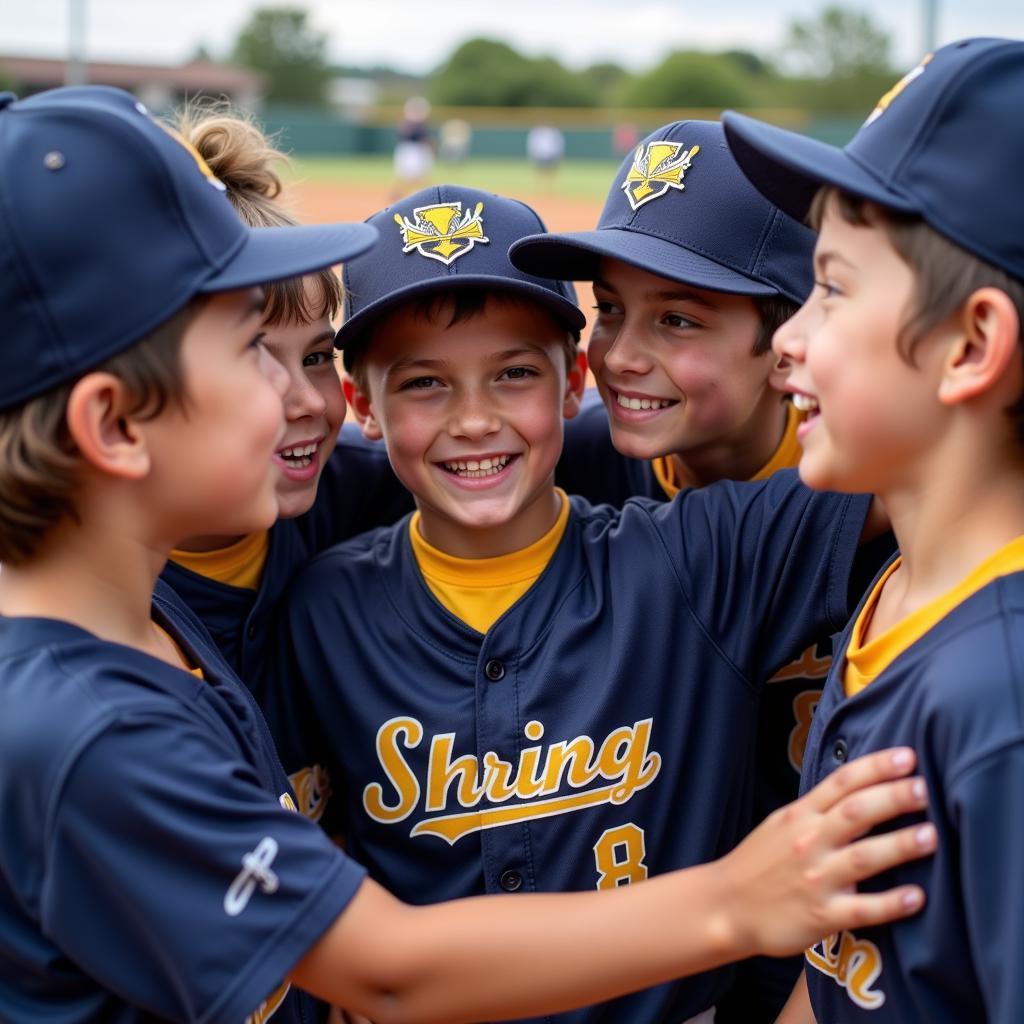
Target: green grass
<point x="579" y="179"/>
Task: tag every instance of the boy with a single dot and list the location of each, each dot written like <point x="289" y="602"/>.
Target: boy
<point x="233" y="584"/>
<point x="149" y="865"/>
<point x="908" y="359"/>
<point x="693" y="270"/>
<point x="492" y="682"/>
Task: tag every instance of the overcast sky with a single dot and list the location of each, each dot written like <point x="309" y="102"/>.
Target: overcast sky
<point x="416" y="35"/>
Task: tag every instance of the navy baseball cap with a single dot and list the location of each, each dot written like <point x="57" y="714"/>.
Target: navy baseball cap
<point x="110" y="224"/>
<point x="439" y="239"/>
<point x="945" y="143"/>
<point x="681" y="208"/>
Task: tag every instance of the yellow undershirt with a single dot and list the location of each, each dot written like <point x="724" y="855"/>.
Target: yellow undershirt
<point x="239" y="565"/>
<point x="480" y="590"/>
<point x="865" y="662"/>
<point x="668" y="473"/>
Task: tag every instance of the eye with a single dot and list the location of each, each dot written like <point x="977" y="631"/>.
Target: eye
<point x="419" y="384"/>
<point x="518" y="373"/>
<point x="829" y="290"/>
<point x="605" y="307"/>
<point x="322" y="358"/>
<point x="258" y="340"/>
<point x="677" y="320"/>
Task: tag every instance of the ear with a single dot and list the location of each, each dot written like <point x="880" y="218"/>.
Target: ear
<point x="362" y="411"/>
<point x="985" y="347"/>
<point x="348" y="388"/>
<point x="575" y="385"/>
<point x="106" y="432"/>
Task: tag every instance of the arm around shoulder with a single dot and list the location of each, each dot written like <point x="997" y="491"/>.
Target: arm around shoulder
<point x="790" y="882"/>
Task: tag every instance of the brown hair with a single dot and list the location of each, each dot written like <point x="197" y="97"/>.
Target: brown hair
<point x="243" y="158"/>
<point x="945" y="275"/>
<point x="39" y="461"/>
<point x="773" y="311"/>
<point x="450" y="308"/>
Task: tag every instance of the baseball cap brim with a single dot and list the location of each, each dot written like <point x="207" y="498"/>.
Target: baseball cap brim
<point x="272" y="254"/>
<point x="577" y="255"/>
<point x="564" y="310"/>
<point x="788" y="168"/>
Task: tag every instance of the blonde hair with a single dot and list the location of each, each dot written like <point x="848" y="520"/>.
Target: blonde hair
<point x="244" y="159"/>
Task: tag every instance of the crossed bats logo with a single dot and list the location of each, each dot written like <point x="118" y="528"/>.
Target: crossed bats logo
<point x="657" y="167"/>
<point x="442" y="231"/>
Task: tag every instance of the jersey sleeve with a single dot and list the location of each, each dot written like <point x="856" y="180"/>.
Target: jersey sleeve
<point x="765" y="566"/>
<point x="986" y="803"/>
<point x="176" y="880"/>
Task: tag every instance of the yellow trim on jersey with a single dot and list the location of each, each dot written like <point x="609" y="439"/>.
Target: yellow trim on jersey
<point x="186" y="661"/>
<point x="866" y="661"/>
<point x="669" y="472"/>
<point x="239" y="565"/>
<point x="480" y="590"/>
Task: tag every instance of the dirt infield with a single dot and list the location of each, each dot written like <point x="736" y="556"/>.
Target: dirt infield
<point x="318" y="202"/>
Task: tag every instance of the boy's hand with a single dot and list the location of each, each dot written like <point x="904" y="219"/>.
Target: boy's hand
<point x="794" y="875"/>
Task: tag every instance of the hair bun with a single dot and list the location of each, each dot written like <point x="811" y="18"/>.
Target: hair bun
<point x="241" y="156"/>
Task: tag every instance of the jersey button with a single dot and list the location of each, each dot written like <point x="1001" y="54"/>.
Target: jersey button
<point x="510" y="881"/>
<point x="494" y="670"/>
<point x="839" y="751"/>
<point x="251" y="631"/>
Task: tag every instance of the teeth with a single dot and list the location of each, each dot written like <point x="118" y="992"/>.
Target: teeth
<point x="805" y="403"/>
<point x="478" y="467"/>
<point x="641" y="403"/>
<point x="301" y="452"/>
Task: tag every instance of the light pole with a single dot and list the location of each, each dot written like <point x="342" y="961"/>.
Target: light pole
<point x="76" y="73"/>
<point x="929" y="21"/>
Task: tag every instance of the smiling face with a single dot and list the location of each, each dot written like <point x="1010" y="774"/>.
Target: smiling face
<point x="676" y="369"/>
<point x="472" y="417"/>
<point x="314" y="408"/>
<point x="871" y="413"/>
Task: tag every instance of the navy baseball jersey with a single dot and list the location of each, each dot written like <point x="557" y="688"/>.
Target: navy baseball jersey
<point x="150" y="868"/>
<point x="602" y="729"/>
<point x="956" y="696"/>
<point x="358" y="491"/>
<point x="592" y="467"/>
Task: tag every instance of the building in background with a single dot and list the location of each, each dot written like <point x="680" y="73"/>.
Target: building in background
<point x="159" y="87"/>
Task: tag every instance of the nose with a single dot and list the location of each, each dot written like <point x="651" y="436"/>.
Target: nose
<point x="303" y="400"/>
<point x="626" y="353"/>
<point x="789" y="342"/>
<point x="473" y="416"/>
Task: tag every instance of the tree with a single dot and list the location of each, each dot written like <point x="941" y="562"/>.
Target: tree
<point x="689" y="78"/>
<point x="605" y="81"/>
<point x="488" y="73"/>
<point x="293" y="57"/>
<point x="844" y="58"/>
<point x="839" y="43"/>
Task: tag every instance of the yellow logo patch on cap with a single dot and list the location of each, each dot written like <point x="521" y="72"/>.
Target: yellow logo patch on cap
<point x="883" y="104"/>
<point x="442" y="231"/>
<point x="657" y="167"/>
